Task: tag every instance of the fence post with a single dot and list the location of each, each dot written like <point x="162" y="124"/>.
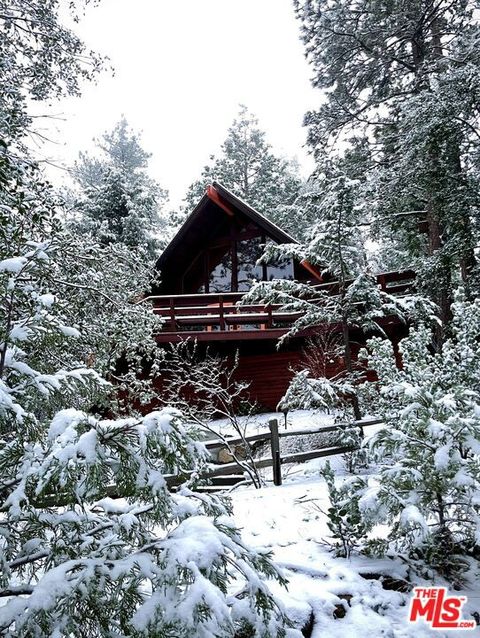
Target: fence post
<point x="275" y="445"/>
<point x="269" y="315"/>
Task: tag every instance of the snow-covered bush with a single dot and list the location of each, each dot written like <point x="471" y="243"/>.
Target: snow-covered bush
<point x="348" y="526"/>
<point x="357" y="457"/>
<point x="305" y="392"/>
<point x="429" y="449"/>
<point x="79" y="560"/>
<point x="205" y="387"/>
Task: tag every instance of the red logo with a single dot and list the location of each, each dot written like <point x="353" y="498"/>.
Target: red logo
<point x="438" y="609"/>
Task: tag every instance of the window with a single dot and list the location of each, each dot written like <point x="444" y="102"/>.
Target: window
<point x="280" y="268"/>
<point x="221" y="276"/>
<point x="244" y="253"/>
<point x="248" y="251"/>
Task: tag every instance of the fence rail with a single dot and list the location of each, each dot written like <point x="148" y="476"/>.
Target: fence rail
<point x="276" y="460"/>
<point x="265" y="436"/>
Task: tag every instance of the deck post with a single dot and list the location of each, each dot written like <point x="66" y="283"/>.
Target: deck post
<point x="268" y="308"/>
<point x="275" y="445"/>
<point x="221" y="313"/>
<point x="172" y="315"/>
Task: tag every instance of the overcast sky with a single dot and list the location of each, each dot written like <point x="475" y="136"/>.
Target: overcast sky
<point x="181" y="69"/>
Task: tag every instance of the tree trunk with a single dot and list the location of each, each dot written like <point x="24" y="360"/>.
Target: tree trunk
<point x="442" y="275"/>
<point x="347" y="348"/>
<point x="467" y="257"/>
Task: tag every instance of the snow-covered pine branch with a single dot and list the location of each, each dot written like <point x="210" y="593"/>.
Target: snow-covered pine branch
<point x="168" y="563"/>
<point x="428" y="452"/>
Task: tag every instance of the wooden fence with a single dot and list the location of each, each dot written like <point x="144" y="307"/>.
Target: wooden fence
<point x="276" y="460"/>
<point x="228" y="474"/>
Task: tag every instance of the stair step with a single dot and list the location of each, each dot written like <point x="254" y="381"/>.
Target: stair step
<point x="230" y="479"/>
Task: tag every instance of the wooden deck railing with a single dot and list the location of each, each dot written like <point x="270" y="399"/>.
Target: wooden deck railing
<point x="218" y="315"/>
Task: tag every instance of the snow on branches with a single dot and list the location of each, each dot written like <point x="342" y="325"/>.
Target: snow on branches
<point x="92" y="542"/>
<point x="428" y="451"/>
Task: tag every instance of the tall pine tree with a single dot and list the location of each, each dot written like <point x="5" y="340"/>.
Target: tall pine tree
<point x="118" y="201"/>
<point x="404" y="75"/>
<point x="247" y="166"/>
<point x="40" y="58"/>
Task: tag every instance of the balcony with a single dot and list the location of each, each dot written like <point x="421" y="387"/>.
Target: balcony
<point x="217" y="317"/>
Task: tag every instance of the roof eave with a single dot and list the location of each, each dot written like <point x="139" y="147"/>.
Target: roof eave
<point x="182" y="231"/>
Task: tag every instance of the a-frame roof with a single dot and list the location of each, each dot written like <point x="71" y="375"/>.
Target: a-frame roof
<point x="209" y="219"/>
<point x="217" y="196"/>
<point x="271" y="230"/>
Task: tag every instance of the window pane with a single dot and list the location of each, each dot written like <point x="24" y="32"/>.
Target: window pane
<point x="248" y="251"/>
<point x="221" y="276"/>
<point x="281" y="268"/>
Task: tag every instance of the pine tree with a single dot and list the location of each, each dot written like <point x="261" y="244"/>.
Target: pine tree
<point x="335" y="244"/>
<point x="429" y="478"/>
<point x="247" y="166"/>
<point x="118" y="202"/>
<point x="404" y="76"/>
<point x="40" y="58"/>
<point x="347" y="525"/>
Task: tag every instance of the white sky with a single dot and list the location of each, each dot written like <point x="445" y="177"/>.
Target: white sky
<point x="181" y="69"/>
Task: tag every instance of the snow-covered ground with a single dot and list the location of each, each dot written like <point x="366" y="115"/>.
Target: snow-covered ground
<point x="289" y="521"/>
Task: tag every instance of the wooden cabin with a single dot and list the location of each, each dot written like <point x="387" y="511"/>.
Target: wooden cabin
<point x="206" y="269"/>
